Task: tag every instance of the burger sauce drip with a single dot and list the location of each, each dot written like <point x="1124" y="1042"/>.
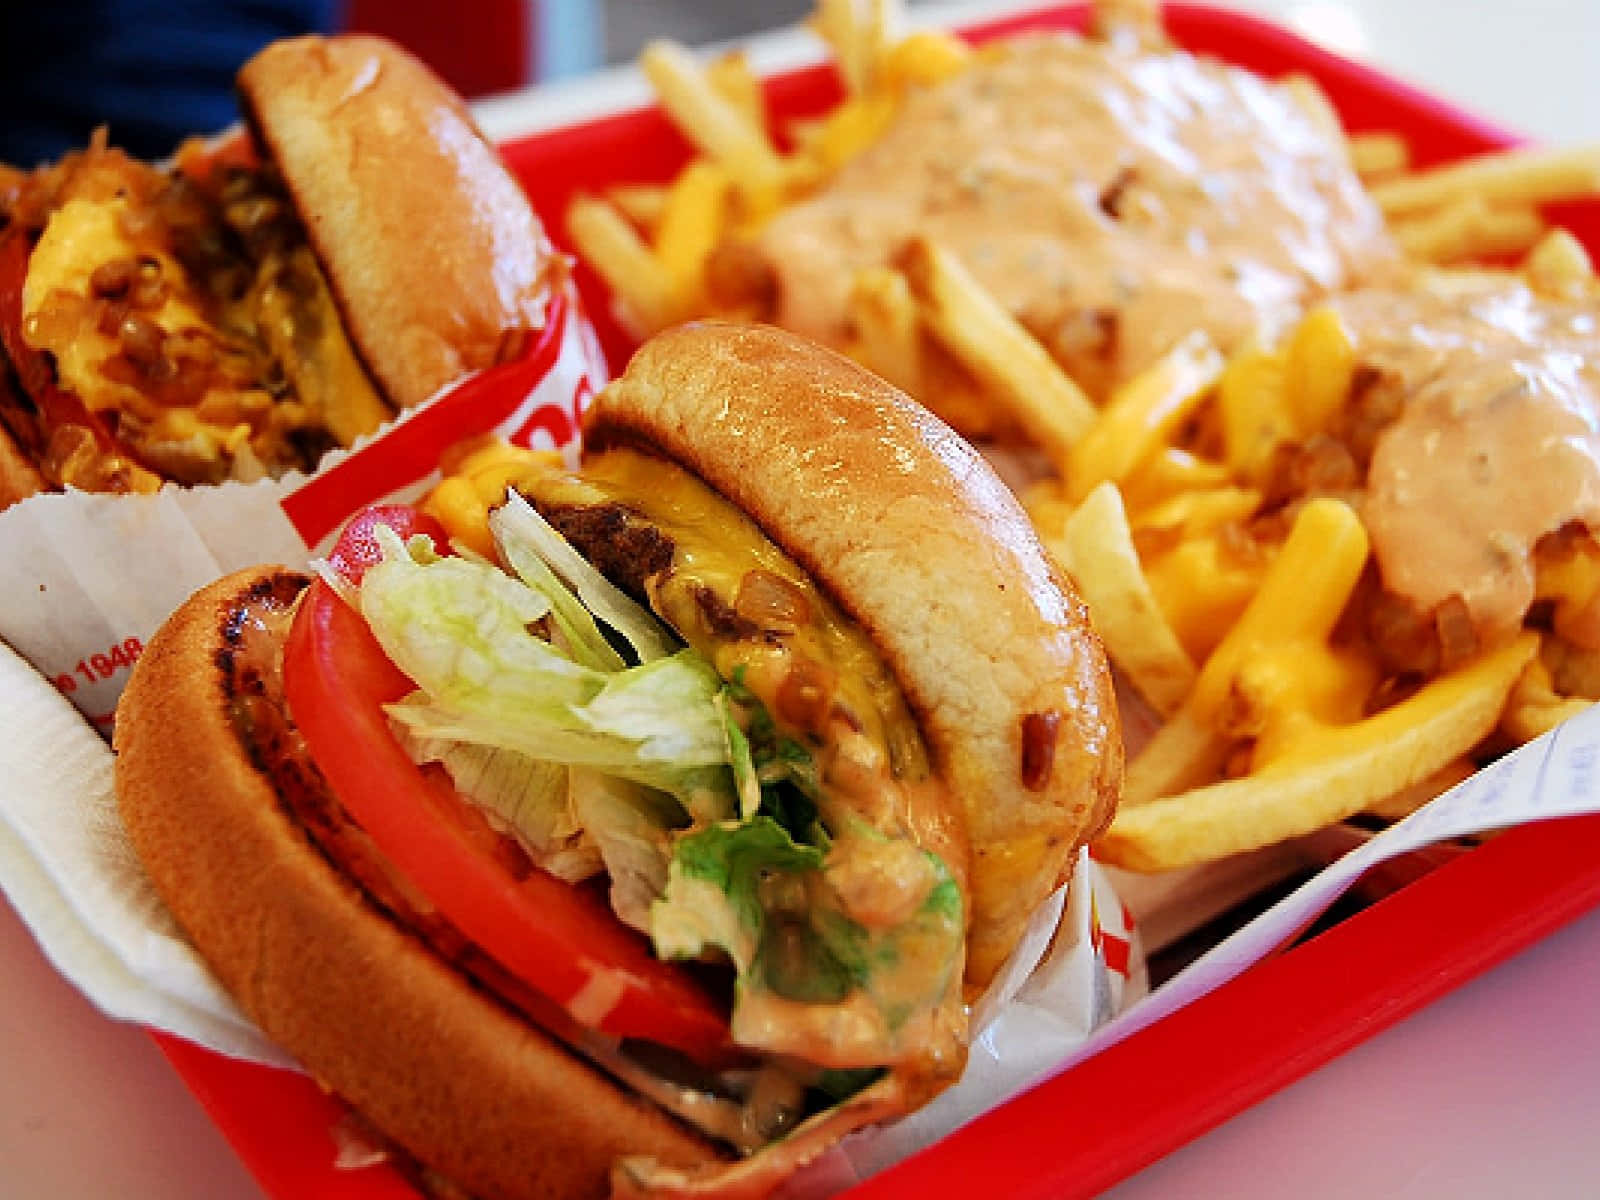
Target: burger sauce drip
<point x="1497" y="444"/>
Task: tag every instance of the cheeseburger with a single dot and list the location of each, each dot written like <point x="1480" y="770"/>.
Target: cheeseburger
<point x="240" y="312"/>
<point x="662" y="844"/>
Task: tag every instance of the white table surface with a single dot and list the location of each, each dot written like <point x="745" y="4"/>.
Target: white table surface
<point x="1493" y="1091"/>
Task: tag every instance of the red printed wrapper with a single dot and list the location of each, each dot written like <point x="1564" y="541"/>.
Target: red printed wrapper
<point x="91" y="577"/>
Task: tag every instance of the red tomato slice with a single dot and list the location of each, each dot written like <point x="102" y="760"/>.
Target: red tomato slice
<point x="357" y="547"/>
<point x="562" y="942"/>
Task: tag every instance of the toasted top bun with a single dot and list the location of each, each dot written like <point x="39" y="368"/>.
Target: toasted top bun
<point x="450" y="1075"/>
<point x="429" y="244"/>
<point x="913" y="535"/>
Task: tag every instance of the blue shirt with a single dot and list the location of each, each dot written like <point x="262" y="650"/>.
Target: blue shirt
<point x="154" y="71"/>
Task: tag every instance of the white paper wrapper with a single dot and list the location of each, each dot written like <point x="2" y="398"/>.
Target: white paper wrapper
<point x="67" y="868"/>
<point x="90" y="577"/>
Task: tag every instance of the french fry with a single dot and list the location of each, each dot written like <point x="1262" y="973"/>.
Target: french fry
<point x="1096" y="547"/>
<point x="859" y="40"/>
<point x="1047" y="506"/>
<point x="644" y="291"/>
<point x="998" y="351"/>
<point x="1407" y="800"/>
<point x="735" y="82"/>
<point x="719" y="128"/>
<point x="839" y="24"/>
<point x="1320" y="366"/>
<point x="884" y="317"/>
<point x="1559" y="266"/>
<point x="1469" y="228"/>
<point x="835" y="22"/>
<point x="641" y="203"/>
<point x="1202" y="588"/>
<point x="692" y="222"/>
<point x="1144" y="413"/>
<point x="884" y="19"/>
<point x="1280" y="696"/>
<point x="1574" y="670"/>
<point x="1535" y="707"/>
<point x="848" y="130"/>
<point x="1535" y="175"/>
<point x="1169" y="472"/>
<point x="1182" y="754"/>
<point x="1199" y="511"/>
<point x="923" y="59"/>
<point x="1570" y="583"/>
<point x="1479" y="689"/>
<point x="1300" y="600"/>
<point x="951" y="391"/>
<point x="1253" y="403"/>
<point x="1377" y="156"/>
<point x="1273" y="674"/>
<point x="1524" y="722"/>
<point x="1334" y="773"/>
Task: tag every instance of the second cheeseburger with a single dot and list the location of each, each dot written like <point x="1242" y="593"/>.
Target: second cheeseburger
<point x="721" y="786"/>
<point x="253" y="305"/>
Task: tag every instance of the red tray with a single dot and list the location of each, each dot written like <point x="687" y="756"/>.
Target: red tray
<point x="1225" y="1051"/>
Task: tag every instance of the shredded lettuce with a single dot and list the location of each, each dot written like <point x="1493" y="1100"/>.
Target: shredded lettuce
<point x="668" y="706"/>
<point x="712" y="895"/>
<point x="630" y="825"/>
<point x="521" y="533"/>
<point x="745" y="779"/>
<point x="704" y="788"/>
<point x="785" y="770"/>
<point x="521" y="796"/>
<point x="579" y="633"/>
<point x="462" y="631"/>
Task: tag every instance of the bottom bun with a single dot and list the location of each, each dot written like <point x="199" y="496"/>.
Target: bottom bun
<point x="469" y="1088"/>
